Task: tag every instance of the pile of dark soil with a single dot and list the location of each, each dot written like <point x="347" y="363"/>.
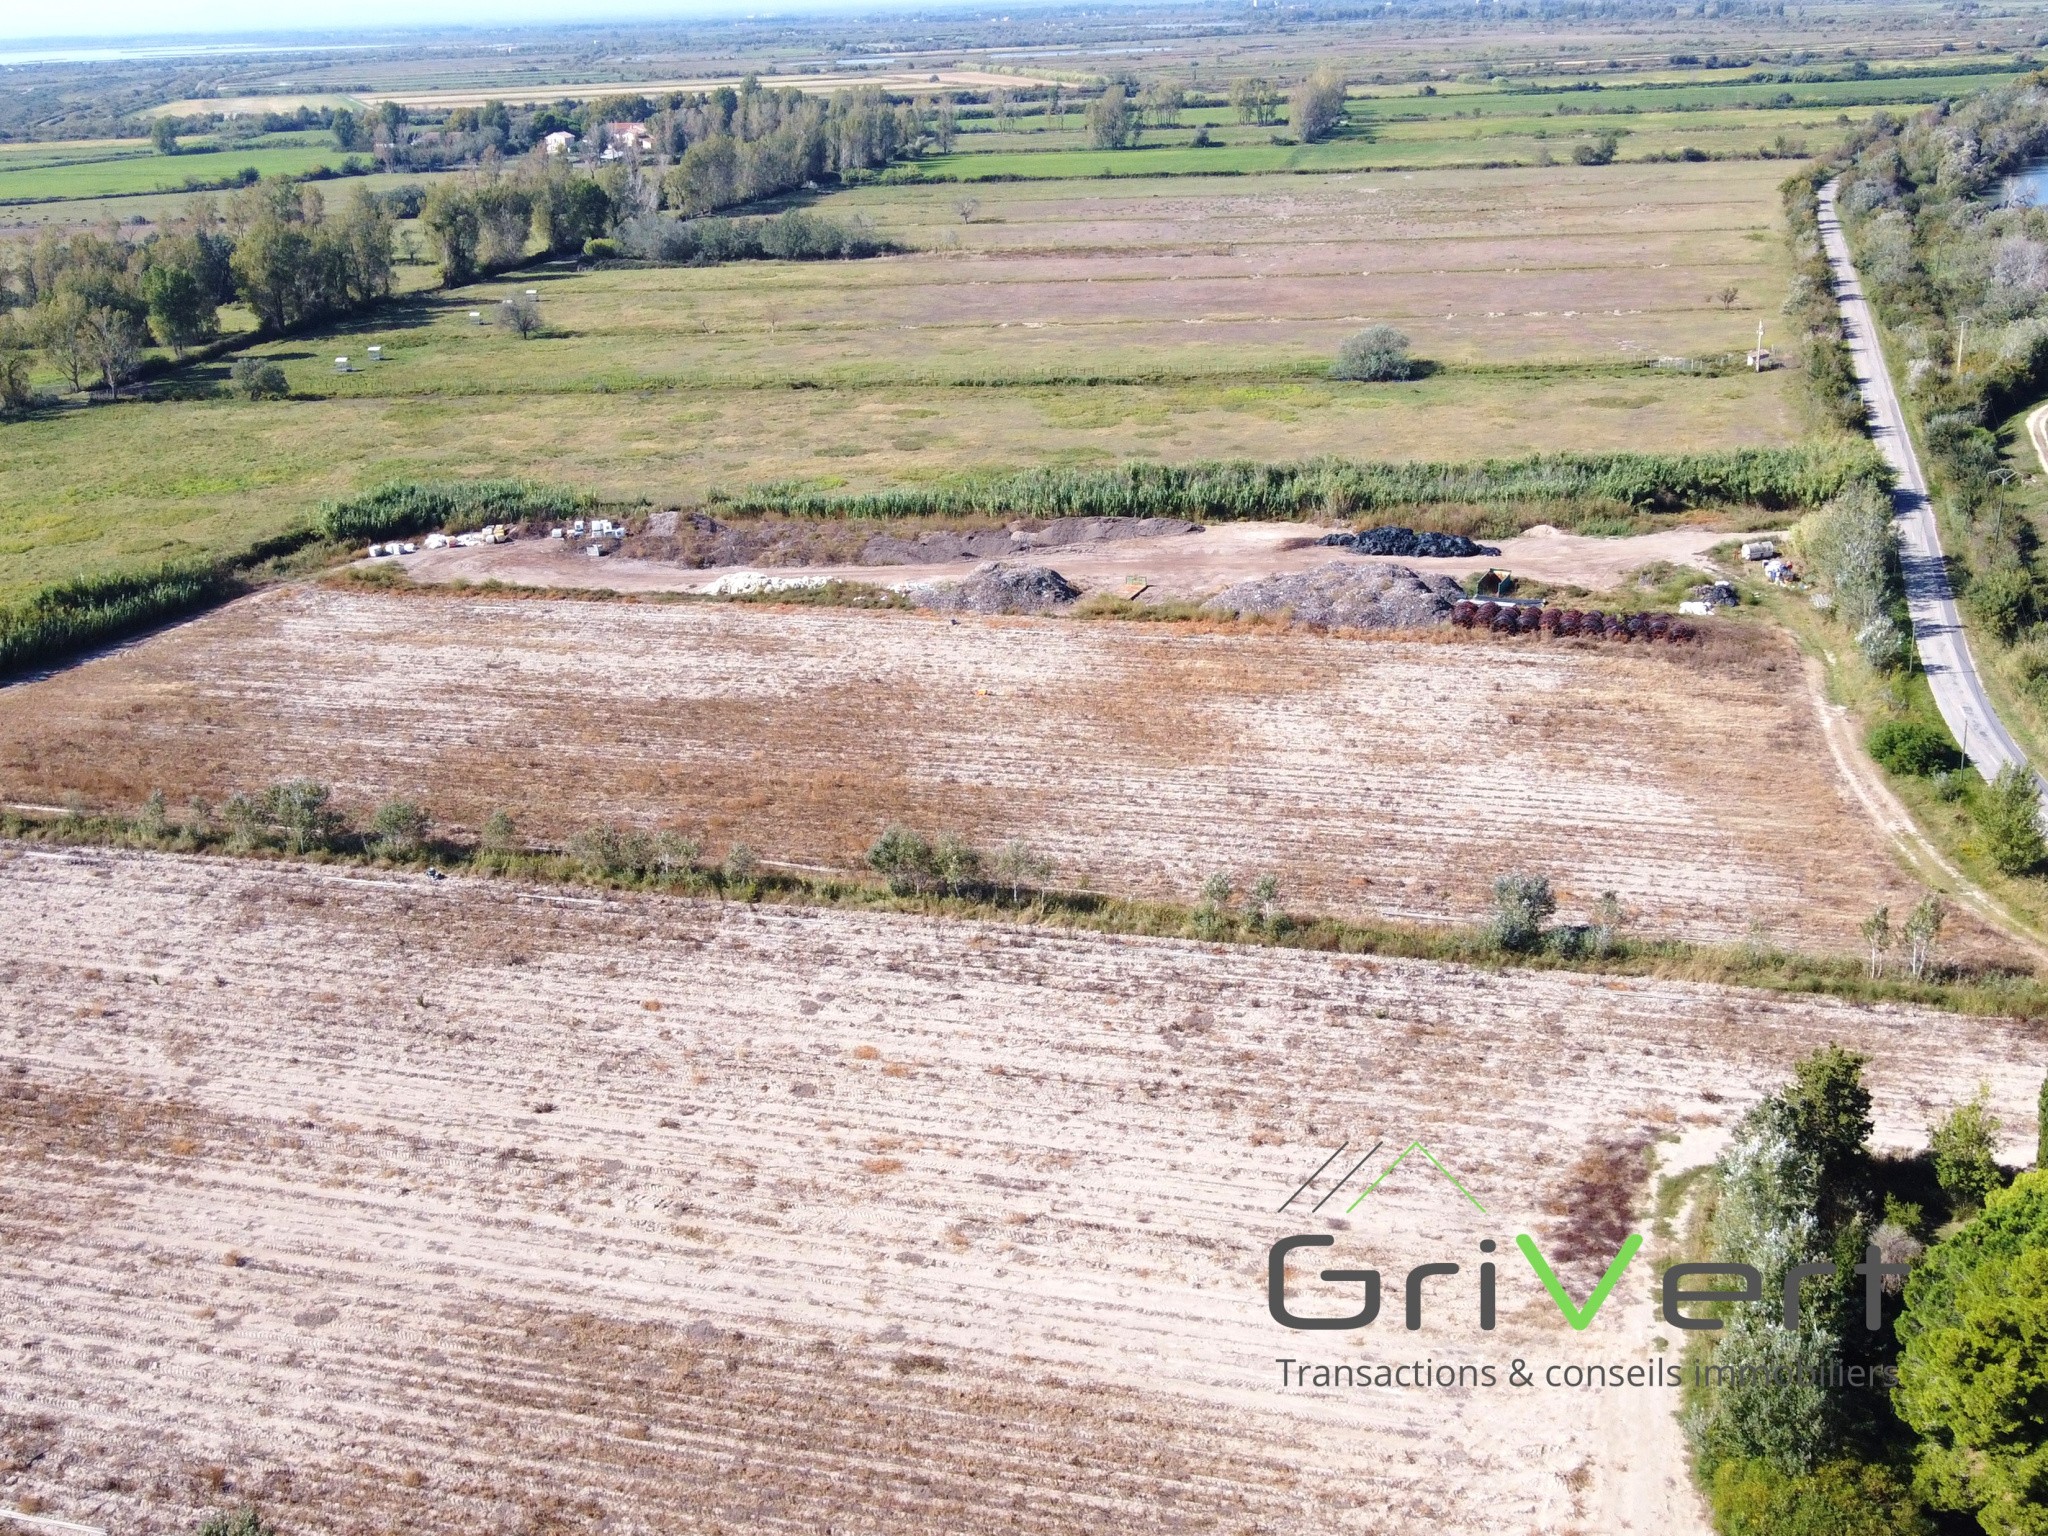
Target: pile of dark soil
<point x="1342" y="596"/>
<point x="1407" y="544"/>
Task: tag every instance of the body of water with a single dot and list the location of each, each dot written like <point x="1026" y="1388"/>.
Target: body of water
<point x="2028" y="186"/>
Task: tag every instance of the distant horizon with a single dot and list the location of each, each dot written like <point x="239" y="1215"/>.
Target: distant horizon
<point x="131" y="28"/>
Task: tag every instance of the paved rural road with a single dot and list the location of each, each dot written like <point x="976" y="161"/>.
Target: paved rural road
<point x="1937" y="628"/>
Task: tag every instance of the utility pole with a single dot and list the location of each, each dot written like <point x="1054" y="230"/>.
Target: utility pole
<point x="1758" y="357"/>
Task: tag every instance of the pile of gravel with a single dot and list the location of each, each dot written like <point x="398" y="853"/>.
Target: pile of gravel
<point x="995" y="588"/>
<point x="1342" y="596"/>
<point x="1407" y="544"/>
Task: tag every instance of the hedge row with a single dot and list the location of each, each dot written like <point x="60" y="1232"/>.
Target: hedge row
<point x="456" y="506"/>
<point x="61" y="621"/>
<point x="1770" y="477"/>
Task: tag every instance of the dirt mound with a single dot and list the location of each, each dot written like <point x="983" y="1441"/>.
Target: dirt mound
<point x="992" y="543"/>
<point x="1338" y="596"/>
<point x="997" y="588"/>
<point x="1407" y="544"/>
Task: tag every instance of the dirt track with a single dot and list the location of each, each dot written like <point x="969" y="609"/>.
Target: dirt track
<point x="468" y="1209"/>
<point x="1194" y="565"/>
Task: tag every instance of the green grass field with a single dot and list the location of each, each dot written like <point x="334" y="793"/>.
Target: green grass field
<point x="1069" y="307"/>
<point x="120" y="173"/>
<point x="1217" y="304"/>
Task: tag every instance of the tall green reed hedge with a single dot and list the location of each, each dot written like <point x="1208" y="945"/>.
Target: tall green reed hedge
<point x="1795" y="477"/>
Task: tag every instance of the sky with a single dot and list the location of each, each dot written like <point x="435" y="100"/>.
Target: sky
<point x="24" y="23"/>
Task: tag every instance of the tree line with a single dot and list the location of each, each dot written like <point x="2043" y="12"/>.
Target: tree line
<point x="91" y="303"/>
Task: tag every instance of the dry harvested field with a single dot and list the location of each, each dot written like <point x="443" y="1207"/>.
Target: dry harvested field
<point x="1477" y="265"/>
<point x="394" y="1205"/>
<point x="1373" y="776"/>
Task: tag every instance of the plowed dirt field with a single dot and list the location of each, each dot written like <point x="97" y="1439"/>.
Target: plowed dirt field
<point x="1372" y="776"/>
<point x="457" y="1207"/>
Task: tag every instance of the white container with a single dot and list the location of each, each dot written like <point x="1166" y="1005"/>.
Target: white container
<point x="1759" y="549"/>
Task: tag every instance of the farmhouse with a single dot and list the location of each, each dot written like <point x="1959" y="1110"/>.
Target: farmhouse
<point x="622" y="138"/>
<point x="561" y="142"/>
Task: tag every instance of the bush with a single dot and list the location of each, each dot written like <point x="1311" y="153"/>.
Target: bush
<point x="1599" y="152"/>
<point x="905" y="860"/>
<point x="243" y="1523"/>
<point x="1963" y="1143"/>
<point x="1912" y="748"/>
<point x="599" y="248"/>
<point x="400" y="827"/>
<point x="300" y="809"/>
<point x="392" y="511"/>
<point x="1377" y="354"/>
<point x="255" y="379"/>
<point x="2005" y="601"/>
<point x="1838" y="1498"/>
<point x="2009" y="817"/>
<point x="1520" y="904"/>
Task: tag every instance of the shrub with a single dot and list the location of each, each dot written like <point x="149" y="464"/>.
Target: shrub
<point x="300" y="809"/>
<point x="906" y="860"/>
<point x="1963" y="1143"/>
<point x="1912" y="748"/>
<point x="254" y="378"/>
<point x="794" y="236"/>
<point x="2009" y="817"/>
<point x="1377" y="354"/>
<point x="1838" y="1498"/>
<point x="499" y="835"/>
<point x="612" y="852"/>
<point x="400" y="827"/>
<point x="243" y="1523"/>
<point x="1520" y="904"/>
<point x="2005" y="601"/>
<point x="598" y="248"/>
<point x="1599" y="152"/>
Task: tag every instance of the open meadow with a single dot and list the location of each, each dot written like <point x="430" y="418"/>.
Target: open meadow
<point x="466" y="1208"/>
<point x="1211" y="308"/>
<point x="1384" y="777"/>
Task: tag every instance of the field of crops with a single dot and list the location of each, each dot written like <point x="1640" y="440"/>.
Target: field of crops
<point x="1372" y="777"/>
<point x="380" y="1203"/>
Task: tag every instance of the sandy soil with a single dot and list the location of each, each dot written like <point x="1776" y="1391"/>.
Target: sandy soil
<point x="473" y="1209"/>
<point x="1194" y="565"/>
<point x="1397" y="777"/>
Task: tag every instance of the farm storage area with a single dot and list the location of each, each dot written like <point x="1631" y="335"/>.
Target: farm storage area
<point x="452" y="1207"/>
<point x="1385" y="777"/>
